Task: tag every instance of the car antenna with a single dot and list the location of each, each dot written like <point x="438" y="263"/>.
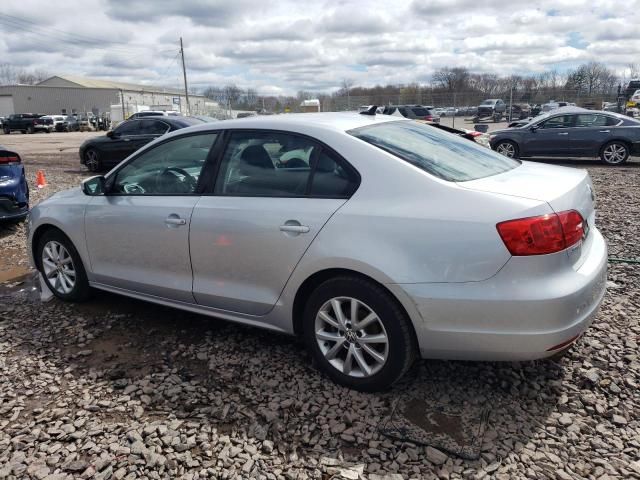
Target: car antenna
<point x="370" y="111"/>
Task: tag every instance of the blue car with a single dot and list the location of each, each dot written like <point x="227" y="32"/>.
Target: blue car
<point x="14" y="191"/>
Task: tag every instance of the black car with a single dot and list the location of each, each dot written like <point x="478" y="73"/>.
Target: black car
<point x="415" y="112"/>
<point x="572" y="132"/>
<point x="99" y="153"/>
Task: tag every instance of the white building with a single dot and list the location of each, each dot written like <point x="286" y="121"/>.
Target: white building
<point x="70" y="94"/>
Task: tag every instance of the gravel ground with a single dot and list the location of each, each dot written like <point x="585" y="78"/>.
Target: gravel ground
<point x="116" y="388"/>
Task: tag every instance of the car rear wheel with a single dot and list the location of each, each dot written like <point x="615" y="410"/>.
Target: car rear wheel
<point x="92" y="160"/>
<point x="61" y="267"/>
<point x="7" y="131"/>
<point x="30" y="129"/>
<point x="614" y="153"/>
<point x="508" y="149"/>
<point x="358" y="334"/>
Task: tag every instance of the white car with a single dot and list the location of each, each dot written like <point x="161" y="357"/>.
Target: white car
<point x="635" y="98"/>
<point x="385" y="240"/>
<point x="57" y="120"/>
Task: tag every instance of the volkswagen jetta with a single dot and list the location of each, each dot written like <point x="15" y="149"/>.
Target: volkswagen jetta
<point x="376" y="238"/>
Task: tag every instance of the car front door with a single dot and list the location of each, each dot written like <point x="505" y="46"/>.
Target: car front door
<point x="138" y="233"/>
<point x="121" y="143"/>
<point x="551" y="137"/>
<point x="266" y="208"/>
<point x="592" y="130"/>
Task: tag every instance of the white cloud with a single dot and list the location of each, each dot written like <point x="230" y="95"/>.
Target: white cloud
<point x="288" y="45"/>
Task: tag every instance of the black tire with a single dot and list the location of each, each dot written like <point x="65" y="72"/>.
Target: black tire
<point x="504" y="147"/>
<point x="24" y="132"/>
<point x="81" y="290"/>
<point x="7" y="131"/>
<point x="92" y="160"/>
<point x="30" y="129"/>
<point x="614" y="153"/>
<point x="402" y="346"/>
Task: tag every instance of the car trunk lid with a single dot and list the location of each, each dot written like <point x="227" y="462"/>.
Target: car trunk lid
<point x="562" y="188"/>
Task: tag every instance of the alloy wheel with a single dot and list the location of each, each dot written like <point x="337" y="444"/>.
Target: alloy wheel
<point x="58" y="267"/>
<point x="614" y="153"/>
<point x="351" y="337"/>
<point x="92" y="161"/>
<point x="507" y="149"/>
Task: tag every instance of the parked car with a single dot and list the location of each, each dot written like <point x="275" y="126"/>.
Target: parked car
<point x="43" y="124"/>
<point x="572" y="132"/>
<point x="519" y="111"/>
<point x="492" y="107"/>
<point x="106" y="151"/>
<point x="341" y="251"/>
<point x="57" y="120"/>
<point x="70" y="124"/>
<point x="14" y="190"/>
<point x="415" y="112"/>
<point x="155" y="113"/>
<point x="2" y="119"/>
<point x="23" y="122"/>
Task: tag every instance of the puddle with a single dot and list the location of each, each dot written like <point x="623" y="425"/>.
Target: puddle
<point x="457" y="431"/>
<point x="20" y="280"/>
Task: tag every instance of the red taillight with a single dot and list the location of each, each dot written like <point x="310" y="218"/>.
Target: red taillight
<point x="9" y="159"/>
<point x="542" y="235"/>
<point x="429" y="118"/>
<point x="473" y="133"/>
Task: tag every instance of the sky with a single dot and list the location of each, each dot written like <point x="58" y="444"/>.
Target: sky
<point x="285" y="46"/>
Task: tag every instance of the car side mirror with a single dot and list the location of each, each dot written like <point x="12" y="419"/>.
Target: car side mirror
<point x="533" y="128"/>
<point x="111" y="134"/>
<point x="94" y="186"/>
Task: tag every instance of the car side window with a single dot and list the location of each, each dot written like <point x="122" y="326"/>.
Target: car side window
<point x="171" y="168"/>
<point x="591" y="120"/>
<point x="331" y="178"/>
<point x="265" y="164"/>
<point x="153" y="127"/>
<point x="561" y="121"/>
<point x="131" y="127"/>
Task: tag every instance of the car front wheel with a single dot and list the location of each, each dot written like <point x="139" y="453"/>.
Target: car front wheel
<point x="358" y="334"/>
<point x="614" y="153"/>
<point x="508" y="149"/>
<point x="61" y="267"/>
<point x="92" y="160"/>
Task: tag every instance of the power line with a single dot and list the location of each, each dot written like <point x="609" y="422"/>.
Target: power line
<point x="67" y="37"/>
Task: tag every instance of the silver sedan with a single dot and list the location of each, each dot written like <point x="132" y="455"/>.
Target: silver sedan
<point x="377" y="239"/>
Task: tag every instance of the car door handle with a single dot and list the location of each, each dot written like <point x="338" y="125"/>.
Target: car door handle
<point x="175" y="220"/>
<point x="563" y="133"/>
<point x="605" y="131"/>
<point x="294" y="228"/>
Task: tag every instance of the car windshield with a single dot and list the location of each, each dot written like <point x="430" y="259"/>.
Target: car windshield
<point x="441" y="154"/>
<point x="488" y="102"/>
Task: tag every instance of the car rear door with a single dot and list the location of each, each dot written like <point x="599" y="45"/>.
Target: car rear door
<point x="249" y="234"/>
<point x="552" y="137"/>
<point x="591" y="131"/>
<point x="138" y="234"/>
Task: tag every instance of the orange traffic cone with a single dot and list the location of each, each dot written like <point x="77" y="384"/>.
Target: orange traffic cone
<point x="41" y="182"/>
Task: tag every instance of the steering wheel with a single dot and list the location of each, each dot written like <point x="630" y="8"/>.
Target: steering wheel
<point x="133" y="188"/>
<point x="188" y="180"/>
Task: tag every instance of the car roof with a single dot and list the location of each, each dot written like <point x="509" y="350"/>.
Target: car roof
<point x="341" y="121"/>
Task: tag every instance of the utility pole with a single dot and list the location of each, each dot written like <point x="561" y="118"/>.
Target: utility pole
<point x="184" y="73"/>
<point x="124" y="117"/>
<point x="511" y="102"/>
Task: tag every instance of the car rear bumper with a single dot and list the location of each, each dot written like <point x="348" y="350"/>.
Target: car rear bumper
<point x="511" y="316"/>
<point x="12" y="210"/>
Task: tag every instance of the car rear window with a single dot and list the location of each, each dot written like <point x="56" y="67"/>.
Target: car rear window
<point x="439" y="153"/>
